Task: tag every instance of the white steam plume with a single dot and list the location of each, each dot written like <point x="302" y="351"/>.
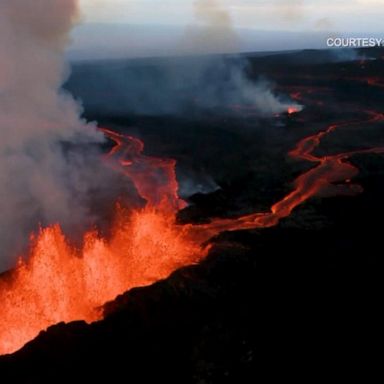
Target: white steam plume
<point x="41" y="179"/>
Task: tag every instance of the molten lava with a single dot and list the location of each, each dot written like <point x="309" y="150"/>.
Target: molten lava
<point x="328" y="177"/>
<point x="375" y="82"/>
<point x="292" y="110"/>
<point x="154" y="178"/>
<point x="59" y="283"/>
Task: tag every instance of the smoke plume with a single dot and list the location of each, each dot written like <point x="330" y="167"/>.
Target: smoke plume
<point x="201" y="81"/>
<point x="186" y="87"/>
<point x="212" y="30"/>
<point x="43" y="177"/>
<point x="291" y="12"/>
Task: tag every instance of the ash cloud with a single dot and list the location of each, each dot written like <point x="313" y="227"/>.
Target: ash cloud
<point x="44" y="177"/>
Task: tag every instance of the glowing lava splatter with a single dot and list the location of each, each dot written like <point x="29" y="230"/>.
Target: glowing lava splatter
<point x="60" y="283"/>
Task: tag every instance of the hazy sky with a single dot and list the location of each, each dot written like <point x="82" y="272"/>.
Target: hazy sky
<point x="300" y="20"/>
<point x="352" y="15"/>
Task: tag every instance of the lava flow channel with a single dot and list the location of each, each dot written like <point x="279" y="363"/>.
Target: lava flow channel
<point x="328" y="177"/>
<point x="58" y="283"/>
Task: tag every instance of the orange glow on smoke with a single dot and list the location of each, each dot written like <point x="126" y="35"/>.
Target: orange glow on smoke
<point x="59" y="283"/>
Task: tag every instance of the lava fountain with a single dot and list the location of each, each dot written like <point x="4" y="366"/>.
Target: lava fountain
<point x="61" y="283"/>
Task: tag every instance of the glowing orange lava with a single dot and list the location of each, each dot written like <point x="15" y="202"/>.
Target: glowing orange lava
<point x="59" y="283"/>
<point x="328" y="177"/>
<point x="292" y="110"/>
<point x="375" y="81"/>
<point x="154" y="178"/>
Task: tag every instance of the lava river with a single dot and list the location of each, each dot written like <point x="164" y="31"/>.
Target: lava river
<point x="60" y="283"/>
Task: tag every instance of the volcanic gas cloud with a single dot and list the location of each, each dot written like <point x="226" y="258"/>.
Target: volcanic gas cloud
<point x="43" y="183"/>
<point x="41" y="180"/>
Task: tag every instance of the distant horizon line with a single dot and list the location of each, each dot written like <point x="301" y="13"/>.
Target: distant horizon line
<point x="234" y="27"/>
<point x="206" y="55"/>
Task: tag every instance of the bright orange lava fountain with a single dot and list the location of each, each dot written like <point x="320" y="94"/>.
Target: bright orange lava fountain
<point x="59" y="283"/>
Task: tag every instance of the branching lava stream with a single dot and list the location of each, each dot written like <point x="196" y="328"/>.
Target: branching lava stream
<point x="58" y="283"/>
